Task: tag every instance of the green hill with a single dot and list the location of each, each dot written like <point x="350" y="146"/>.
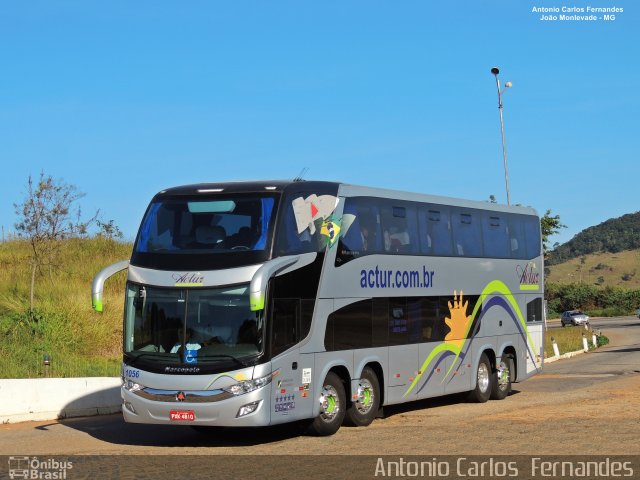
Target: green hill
<point x="79" y="341"/>
<point x="620" y="269"/>
<point x="612" y="236"/>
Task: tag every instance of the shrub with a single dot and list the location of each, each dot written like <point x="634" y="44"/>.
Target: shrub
<point x="608" y="300"/>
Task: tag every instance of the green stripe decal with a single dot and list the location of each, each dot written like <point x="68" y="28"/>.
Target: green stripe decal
<point x="499" y="287"/>
<point x="496" y="287"/>
<point x="443" y="347"/>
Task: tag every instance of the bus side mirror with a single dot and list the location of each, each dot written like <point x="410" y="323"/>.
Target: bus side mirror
<point x="260" y="280"/>
<point x="97" y="286"/>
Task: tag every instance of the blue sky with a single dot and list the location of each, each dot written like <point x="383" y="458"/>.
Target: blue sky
<point x="123" y="99"/>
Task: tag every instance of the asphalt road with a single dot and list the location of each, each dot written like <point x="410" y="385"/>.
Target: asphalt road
<point x="589" y="404"/>
<point x="620" y="357"/>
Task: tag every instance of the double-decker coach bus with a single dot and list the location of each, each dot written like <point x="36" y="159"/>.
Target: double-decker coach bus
<point x="258" y="303"/>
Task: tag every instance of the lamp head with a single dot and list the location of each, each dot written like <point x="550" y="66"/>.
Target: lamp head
<point x="495" y="70"/>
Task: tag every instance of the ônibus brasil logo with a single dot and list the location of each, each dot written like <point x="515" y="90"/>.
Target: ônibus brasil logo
<point x="528" y="276"/>
<point x="34" y="468"/>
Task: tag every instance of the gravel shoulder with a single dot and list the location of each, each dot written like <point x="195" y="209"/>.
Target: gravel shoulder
<point x="586" y="405"/>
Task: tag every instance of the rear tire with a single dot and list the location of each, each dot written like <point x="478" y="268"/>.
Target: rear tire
<point x="502" y="379"/>
<point x="364" y="409"/>
<point x="484" y="383"/>
<point x="333" y="404"/>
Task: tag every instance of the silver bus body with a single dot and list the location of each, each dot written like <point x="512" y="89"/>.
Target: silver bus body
<point x="422" y="322"/>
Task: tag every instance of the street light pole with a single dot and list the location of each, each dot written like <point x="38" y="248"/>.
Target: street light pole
<point x="495" y="72"/>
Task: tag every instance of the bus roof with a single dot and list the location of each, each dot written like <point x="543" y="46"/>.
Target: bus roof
<point x="344" y="189"/>
<point x="348" y="190"/>
<point x="252" y="186"/>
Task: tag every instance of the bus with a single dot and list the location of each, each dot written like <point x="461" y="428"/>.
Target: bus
<point x="259" y="303"/>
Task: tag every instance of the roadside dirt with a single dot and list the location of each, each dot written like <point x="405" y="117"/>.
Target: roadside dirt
<point x="601" y="418"/>
<point x="588" y="405"/>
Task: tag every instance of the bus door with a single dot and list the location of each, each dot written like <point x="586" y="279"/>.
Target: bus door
<point x="428" y="330"/>
<point x="291" y="318"/>
<point x="535" y="330"/>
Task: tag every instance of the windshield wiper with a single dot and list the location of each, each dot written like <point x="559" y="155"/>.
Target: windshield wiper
<point x="224" y="355"/>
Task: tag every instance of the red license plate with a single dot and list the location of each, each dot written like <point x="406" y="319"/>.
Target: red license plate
<point x="184" y="415"/>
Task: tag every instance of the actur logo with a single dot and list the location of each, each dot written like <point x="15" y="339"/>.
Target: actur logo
<point x="528" y="276"/>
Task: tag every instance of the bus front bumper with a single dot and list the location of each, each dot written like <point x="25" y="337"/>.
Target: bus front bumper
<point x="190" y="408"/>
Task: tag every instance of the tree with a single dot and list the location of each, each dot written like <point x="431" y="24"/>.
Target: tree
<point x="109" y="230"/>
<point x="45" y="218"/>
<point x="550" y="225"/>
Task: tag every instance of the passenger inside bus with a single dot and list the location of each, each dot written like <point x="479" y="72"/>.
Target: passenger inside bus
<point x="190" y="343"/>
<point x="210" y="236"/>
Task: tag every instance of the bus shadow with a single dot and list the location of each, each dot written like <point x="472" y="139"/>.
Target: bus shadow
<point x="452" y="399"/>
<point x="113" y="429"/>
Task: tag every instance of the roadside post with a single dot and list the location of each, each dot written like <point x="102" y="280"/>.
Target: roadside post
<point x="556" y="350"/>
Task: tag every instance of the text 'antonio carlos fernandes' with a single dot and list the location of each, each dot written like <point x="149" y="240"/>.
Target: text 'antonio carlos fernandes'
<point x="532" y="467"/>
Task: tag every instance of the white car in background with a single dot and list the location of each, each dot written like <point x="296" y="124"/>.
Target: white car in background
<point x="574" y="317"/>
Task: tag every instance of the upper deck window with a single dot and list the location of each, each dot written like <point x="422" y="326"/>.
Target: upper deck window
<point x="194" y="226"/>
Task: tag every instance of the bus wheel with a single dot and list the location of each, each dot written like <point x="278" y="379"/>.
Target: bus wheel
<point x="482" y="392"/>
<point x="332" y="407"/>
<point x="365" y="407"/>
<point x="501" y="385"/>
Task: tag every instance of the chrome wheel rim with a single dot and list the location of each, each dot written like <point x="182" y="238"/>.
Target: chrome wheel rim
<point x="366" y="397"/>
<point x="503" y="376"/>
<point x="483" y="377"/>
<point x="329" y="403"/>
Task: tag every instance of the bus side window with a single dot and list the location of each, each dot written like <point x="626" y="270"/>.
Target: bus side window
<point x="289" y="240"/>
<point x="495" y="235"/>
<point x="516" y="237"/>
<point x="398" y="322"/>
<point x="425" y="320"/>
<point x="351" y="245"/>
<point x="363" y="236"/>
<point x="435" y="230"/>
<point x="532" y="235"/>
<point x="467" y="234"/>
<point x="284" y="323"/>
<point x="291" y="322"/>
<point x="352" y="327"/>
<point x="400" y="230"/>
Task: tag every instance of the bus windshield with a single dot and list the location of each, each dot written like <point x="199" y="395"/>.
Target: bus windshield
<point x="208" y="326"/>
<point x="193" y="225"/>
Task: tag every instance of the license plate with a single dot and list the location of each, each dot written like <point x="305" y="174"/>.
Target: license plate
<point x="184" y="415"/>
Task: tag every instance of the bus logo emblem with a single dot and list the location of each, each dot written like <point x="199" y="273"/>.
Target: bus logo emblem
<point x="181" y="397"/>
<point x="528" y="276"/>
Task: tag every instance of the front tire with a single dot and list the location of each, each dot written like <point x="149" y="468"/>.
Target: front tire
<point x="484" y="383"/>
<point x="365" y="407"/>
<point x="333" y="404"/>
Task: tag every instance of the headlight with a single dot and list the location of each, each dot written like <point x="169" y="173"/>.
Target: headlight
<point x="132" y="386"/>
<point x="246" y="386"/>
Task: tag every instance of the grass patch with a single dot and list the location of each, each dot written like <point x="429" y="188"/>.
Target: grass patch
<point x="569" y="339"/>
<point x="608" y="312"/>
<point x="79" y="341"/>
